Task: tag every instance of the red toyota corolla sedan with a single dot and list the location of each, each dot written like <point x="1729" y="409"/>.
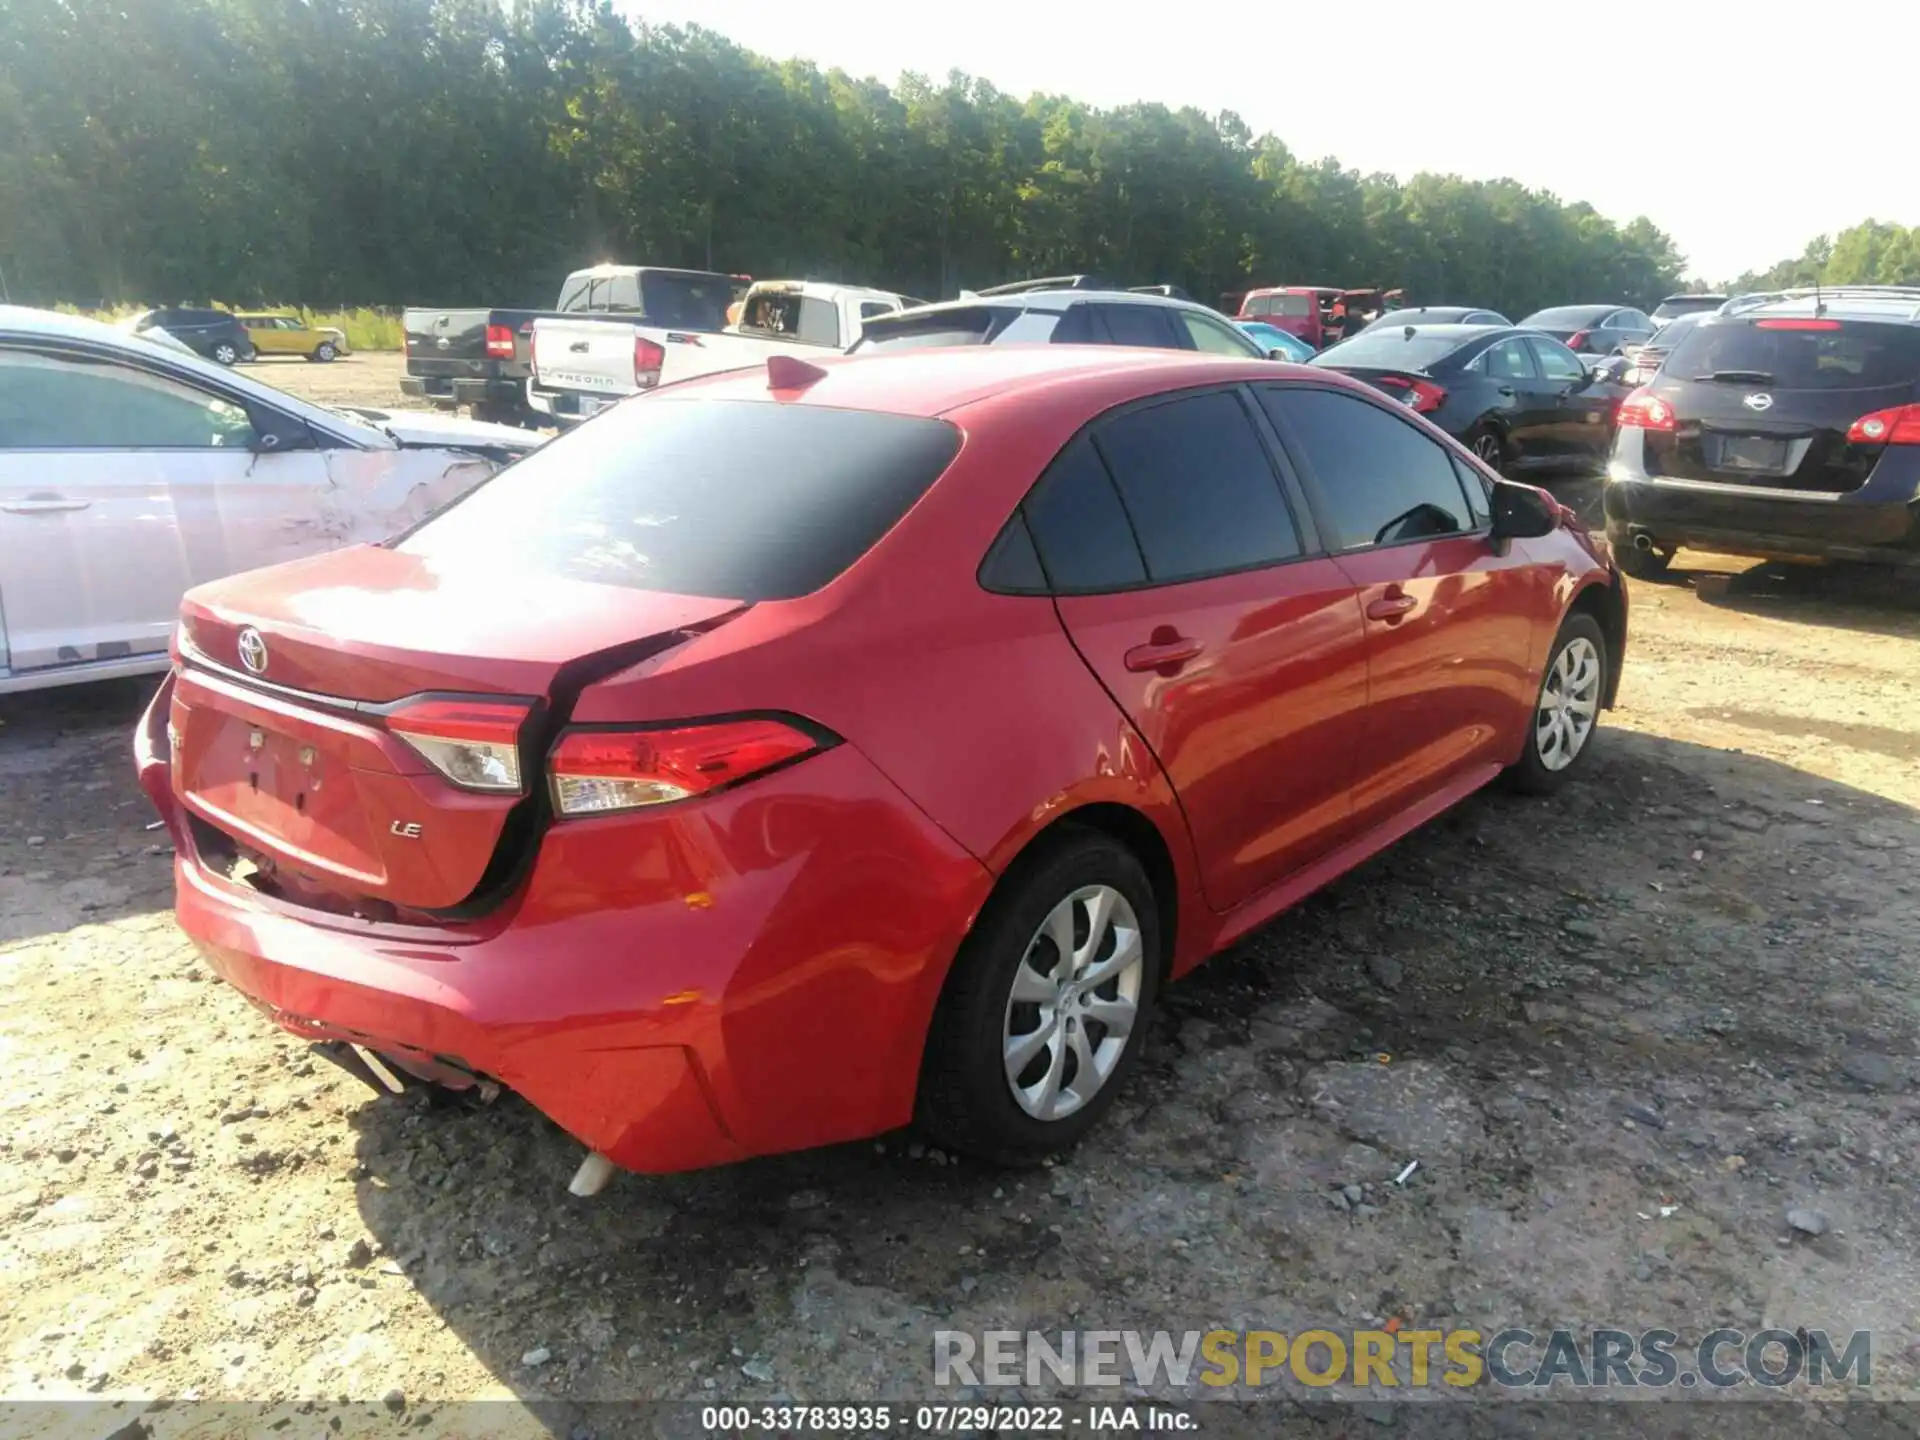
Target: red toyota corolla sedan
<point x="788" y="755"/>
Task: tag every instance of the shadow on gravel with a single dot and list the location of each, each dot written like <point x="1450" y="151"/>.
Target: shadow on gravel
<point x="1685" y="982"/>
<point x="76" y="849"/>
<point x="1870" y="599"/>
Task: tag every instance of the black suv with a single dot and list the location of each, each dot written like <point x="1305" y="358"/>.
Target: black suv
<point x="1787" y="424"/>
<point x="216" y="334"/>
<point x="1012" y="315"/>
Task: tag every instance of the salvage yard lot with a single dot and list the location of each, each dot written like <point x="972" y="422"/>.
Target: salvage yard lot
<point x="1623" y="1032"/>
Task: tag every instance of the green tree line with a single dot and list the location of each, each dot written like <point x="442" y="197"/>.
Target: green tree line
<point x="345" y="152"/>
<point x="1871" y="253"/>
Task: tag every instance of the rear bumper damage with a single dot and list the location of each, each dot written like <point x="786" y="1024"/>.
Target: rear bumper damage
<point x="746" y="974"/>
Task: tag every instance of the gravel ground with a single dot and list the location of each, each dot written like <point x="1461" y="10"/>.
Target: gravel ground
<point x="369" y="379"/>
<point x="1624" y="1032"/>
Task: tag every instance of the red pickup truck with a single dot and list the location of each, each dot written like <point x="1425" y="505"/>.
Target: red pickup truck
<point x="1315" y="313"/>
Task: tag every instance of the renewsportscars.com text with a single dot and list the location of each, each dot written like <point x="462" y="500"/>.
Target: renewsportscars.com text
<point x="1512" y="1358"/>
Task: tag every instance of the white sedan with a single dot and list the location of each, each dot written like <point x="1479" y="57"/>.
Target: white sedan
<point x="131" y="472"/>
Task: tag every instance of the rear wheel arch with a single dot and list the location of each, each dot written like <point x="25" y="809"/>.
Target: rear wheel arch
<point x="1606" y="602"/>
<point x="1132" y="829"/>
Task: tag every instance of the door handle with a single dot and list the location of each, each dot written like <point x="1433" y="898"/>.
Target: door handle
<point x="1390" y="607"/>
<point x="43" y="507"/>
<point x="1162" y="653"/>
<point x="1507" y="391"/>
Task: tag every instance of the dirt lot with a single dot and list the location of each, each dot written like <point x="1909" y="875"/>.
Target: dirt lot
<point x="369" y="379"/>
<point x="1624" y="1032"/>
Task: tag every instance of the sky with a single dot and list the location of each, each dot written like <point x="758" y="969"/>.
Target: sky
<point x="1742" y="130"/>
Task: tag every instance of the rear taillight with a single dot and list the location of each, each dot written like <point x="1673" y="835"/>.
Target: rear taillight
<point x="648" y="357"/>
<point x="1423" y="397"/>
<point x="1792" y="324"/>
<point x="474" y="743"/>
<point x="1577" y="339"/>
<point x="1898" y="426"/>
<point x="596" y="771"/>
<point x="1643" y="410"/>
<point x="500" y="342"/>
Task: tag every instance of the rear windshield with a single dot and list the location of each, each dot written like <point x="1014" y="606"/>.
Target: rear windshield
<point x="1294" y="305"/>
<point x="725" y="499"/>
<point x="1859" y="355"/>
<point x="974" y="325"/>
<point x="805" y="318"/>
<point x="678" y="301"/>
<point x="1566" y="317"/>
<point x="686" y="302"/>
<point x="1390" y="348"/>
<point x="1687" y="305"/>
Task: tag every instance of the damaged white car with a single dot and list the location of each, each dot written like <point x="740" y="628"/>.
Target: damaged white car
<point x="130" y="472"/>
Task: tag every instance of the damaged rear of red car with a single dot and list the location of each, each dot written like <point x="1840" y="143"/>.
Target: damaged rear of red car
<point x="447" y="788"/>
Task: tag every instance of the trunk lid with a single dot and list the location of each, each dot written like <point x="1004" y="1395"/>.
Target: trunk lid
<point x="288" y="744"/>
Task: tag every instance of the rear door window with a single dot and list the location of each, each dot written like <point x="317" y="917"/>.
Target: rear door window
<point x="1144" y="326"/>
<point x="1510" y="360"/>
<point x="1215" y="337"/>
<point x="1380" y="480"/>
<point x="725" y="499"/>
<point x="1557" y="362"/>
<point x="1080" y="527"/>
<point x="1198" y="486"/>
<point x="1858" y="355"/>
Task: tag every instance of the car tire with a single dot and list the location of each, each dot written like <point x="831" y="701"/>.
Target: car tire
<point x="1005" y="1004"/>
<point x="224" y="352"/>
<point x="1487" y="447"/>
<point x="1566" y="709"/>
<point x="1642" y="564"/>
<point x="325" y="352"/>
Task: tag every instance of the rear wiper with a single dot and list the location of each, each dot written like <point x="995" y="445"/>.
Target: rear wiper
<point x="1748" y="377"/>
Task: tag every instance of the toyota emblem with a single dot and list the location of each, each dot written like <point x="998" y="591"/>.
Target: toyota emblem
<point x="1758" y="402"/>
<point x="253" y="651"/>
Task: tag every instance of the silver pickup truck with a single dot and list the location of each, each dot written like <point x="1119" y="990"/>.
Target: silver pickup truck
<point x="581" y="367"/>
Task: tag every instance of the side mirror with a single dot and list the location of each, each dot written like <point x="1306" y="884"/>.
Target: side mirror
<point x="1276" y="353"/>
<point x="1521" y="512"/>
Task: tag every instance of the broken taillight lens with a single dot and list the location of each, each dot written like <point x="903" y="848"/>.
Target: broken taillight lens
<point x="596" y="771"/>
<point x="473" y="743"/>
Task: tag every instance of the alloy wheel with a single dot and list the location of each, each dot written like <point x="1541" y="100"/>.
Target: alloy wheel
<point x="1569" y="704"/>
<point x="1073" y="1003"/>
<point x="1487" y="449"/>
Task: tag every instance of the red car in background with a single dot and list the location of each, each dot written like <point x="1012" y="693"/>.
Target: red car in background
<point x="785" y="756"/>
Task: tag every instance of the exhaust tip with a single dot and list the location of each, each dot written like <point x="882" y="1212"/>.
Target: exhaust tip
<point x="1643" y="542"/>
<point x="592" y="1176"/>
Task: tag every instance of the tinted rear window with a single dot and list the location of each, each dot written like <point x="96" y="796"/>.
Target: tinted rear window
<point x="733" y="499"/>
<point x="1860" y="355"/>
<point x="964" y="326"/>
<point x="1567" y="317"/>
<point x="1390" y="349"/>
<point x="686" y="302"/>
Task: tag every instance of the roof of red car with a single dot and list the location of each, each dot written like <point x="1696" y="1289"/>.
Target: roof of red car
<point x="936" y="381"/>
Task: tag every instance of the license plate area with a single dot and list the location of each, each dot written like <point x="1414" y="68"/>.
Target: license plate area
<point x="592" y="405"/>
<point x="1747" y="454"/>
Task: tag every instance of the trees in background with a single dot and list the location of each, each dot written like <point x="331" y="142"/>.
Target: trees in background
<point x="438" y="151"/>
<point x="1869" y="254"/>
